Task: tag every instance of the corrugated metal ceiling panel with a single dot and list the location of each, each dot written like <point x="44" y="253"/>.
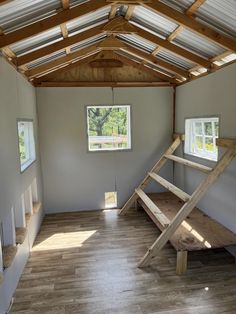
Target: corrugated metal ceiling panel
<point x="197" y="44"/>
<point x="88" y="20"/>
<point x="153" y="21"/>
<point x="221" y="14"/>
<point x="175" y="59"/>
<point x="18" y="13"/>
<point x="88" y="42"/>
<point x="179" y="5"/>
<point x="137" y="41"/>
<point x="46" y="59"/>
<point x="41" y="40"/>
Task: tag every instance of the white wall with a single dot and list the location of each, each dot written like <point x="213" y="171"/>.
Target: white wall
<point x="17" y="100"/>
<point x="77" y="180"/>
<point x="211" y="95"/>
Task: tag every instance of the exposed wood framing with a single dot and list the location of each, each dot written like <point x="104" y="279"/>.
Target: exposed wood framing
<point x="113" y="11"/>
<point x="173" y="48"/>
<point x="194" y="7"/>
<point x="156" y="50"/>
<point x="193" y="25"/>
<point x="65" y="4"/>
<point x="141" y="66"/>
<point x="111" y="43"/>
<point x="119" y="25"/>
<point x="102" y="84"/>
<point x="156" y="61"/>
<point x="175" y="33"/>
<point x="51" y="66"/>
<point x="50" y="22"/>
<point x="62" y="44"/>
<point x="129" y="12"/>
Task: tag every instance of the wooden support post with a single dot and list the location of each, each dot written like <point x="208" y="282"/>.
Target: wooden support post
<point x="181" y="262"/>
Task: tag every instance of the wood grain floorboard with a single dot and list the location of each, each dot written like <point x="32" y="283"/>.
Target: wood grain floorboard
<point x="86" y="263"/>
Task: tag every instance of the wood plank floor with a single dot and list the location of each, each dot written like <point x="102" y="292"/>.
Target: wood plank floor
<point x="86" y="263"/>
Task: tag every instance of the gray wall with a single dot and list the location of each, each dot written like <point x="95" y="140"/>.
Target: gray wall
<point x="212" y="95"/>
<point x="17" y="100"/>
<point x="77" y="180"/>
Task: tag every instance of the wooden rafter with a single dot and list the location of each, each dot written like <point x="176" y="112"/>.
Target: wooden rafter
<point x="175" y="33"/>
<point x="102" y="84"/>
<point x="62" y="44"/>
<point x="65" y="4"/>
<point x="141" y="66"/>
<point x="50" y="22"/>
<point x="129" y="12"/>
<point x="174" y="48"/>
<point x="156" y="61"/>
<point x="56" y="64"/>
<point x="194" y="7"/>
<point x="193" y="25"/>
<point x="113" y="12"/>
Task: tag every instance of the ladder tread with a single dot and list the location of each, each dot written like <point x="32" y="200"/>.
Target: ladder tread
<point x="164" y="221"/>
<point x="189" y="163"/>
<point x="169" y="186"/>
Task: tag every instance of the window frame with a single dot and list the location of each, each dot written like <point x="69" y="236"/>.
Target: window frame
<point x="31" y="149"/>
<point x="129" y="128"/>
<point x="190" y="124"/>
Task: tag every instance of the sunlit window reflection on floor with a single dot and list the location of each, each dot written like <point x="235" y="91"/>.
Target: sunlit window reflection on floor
<point x="64" y="240"/>
<point x="195" y="234"/>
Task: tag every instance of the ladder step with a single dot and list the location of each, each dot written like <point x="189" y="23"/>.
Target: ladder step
<point x="189" y="163"/>
<point x="169" y="186"/>
<point x="164" y="221"/>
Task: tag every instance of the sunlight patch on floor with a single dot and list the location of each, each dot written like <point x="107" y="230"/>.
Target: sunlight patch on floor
<point x="64" y="240"/>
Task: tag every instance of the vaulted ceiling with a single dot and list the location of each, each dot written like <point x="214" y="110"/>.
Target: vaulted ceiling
<point x="117" y="43"/>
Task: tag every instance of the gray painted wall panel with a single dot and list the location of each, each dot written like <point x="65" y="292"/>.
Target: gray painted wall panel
<point x="77" y="180"/>
<point x="212" y="95"/>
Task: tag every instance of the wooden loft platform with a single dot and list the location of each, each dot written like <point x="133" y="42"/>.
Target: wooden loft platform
<point x="197" y="232"/>
<point x="174" y="220"/>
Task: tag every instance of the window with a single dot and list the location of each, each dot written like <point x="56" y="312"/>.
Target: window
<point x="26" y="143"/>
<point x="108" y="128"/>
<point x="110" y="199"/>
<point x="200" y="137"/>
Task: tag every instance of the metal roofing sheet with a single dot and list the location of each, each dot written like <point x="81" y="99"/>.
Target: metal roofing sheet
<point x="137" y="41"/>
<point x="221" y="14"/>
<point x="88" y="20"/>
<point x="175" y="59"/>
<point x="197" y="44"/>
<point x="88" y="42"/>
<point x="179" y="5"/>
<point x="33" y="43"/>
<point x="18" y="13"/>
<point x="47" y="59"/>
<point x="153" y="21"/>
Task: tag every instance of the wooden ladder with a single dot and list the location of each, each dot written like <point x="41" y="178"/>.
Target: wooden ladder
<point x="190" y="200"/>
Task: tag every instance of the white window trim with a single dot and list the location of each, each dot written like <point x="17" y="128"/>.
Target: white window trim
<point x="128" y="129"/>
<point x="30" y="148"/>
<point x="190" y="134"/>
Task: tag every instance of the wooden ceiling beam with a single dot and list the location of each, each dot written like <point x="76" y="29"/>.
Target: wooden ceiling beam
<point x="142" y="67"/>
<point x="174" y="48"/>
<point x="65" y="4"/>
<point x="191" y="24"/>
<point x="194" y="7"/>
<point x="50" y="66"/>
<point x="113" y="12"/>
<point x="50" y="22"/>
<point x="102" y="84"/>
<point x="175" y="33"/>
<point x="156" y="61"/>
<point x="66" y="68"/>
<point x="129" y="12"/>
<point x="60" y="45"/>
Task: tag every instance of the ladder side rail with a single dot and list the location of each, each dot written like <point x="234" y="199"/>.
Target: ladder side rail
<point x="188" y="207"/>
<point x="161" y="162"/>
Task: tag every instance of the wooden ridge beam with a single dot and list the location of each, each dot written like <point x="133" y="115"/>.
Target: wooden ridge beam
<point x="174" y="48"/>
<point x="58" y="63"/>
<point x="62" y="44"/>
<point x="194" y="7"/>
<point x="141" y="66"/>
<point x="50" y="22"/>
<point x="101" y="84"/>
<point x="156" y="61"/>
<point x="193" y="25"/>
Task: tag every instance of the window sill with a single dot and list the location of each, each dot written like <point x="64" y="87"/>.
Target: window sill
<point x="201" y="157"/>
<point x="26" y="165"/>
